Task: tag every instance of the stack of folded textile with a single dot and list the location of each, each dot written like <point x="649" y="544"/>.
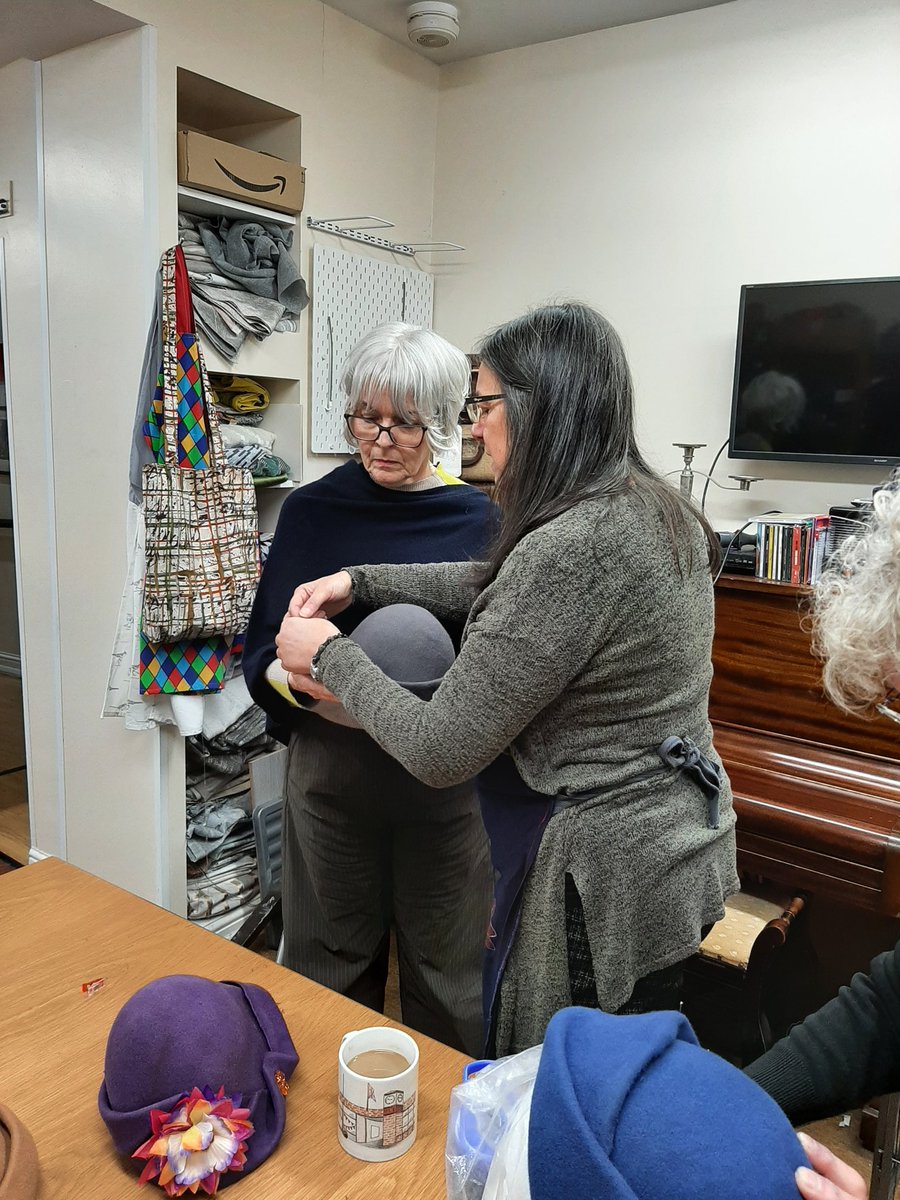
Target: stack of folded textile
<point x="223" y="885"/>
<point x="265" y="467"/>
<point x="240" y="403"/>
<point x="239" y="397"/>
<point x="243" y="279"/>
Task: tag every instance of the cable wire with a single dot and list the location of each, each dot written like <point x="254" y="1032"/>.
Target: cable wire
<point x="771" y="512"/>
<point x="709" y="477"/>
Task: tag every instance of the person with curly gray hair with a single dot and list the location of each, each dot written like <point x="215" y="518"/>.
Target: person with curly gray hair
<point x="849" y="1050"/>
<point x="856" y="616"/>
<point x="366" y="845"/>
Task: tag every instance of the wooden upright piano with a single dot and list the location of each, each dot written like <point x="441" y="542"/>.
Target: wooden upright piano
<point x="817" y="792"/>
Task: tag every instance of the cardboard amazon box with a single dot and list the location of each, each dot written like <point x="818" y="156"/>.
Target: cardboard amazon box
<point x="211" y="165"/>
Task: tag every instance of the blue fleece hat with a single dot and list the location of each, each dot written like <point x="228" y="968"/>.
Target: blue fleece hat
<point x="631" y="1108"/>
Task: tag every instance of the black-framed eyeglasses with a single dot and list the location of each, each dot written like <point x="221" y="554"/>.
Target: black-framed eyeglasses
<point x="887" y="707"/>
<point x="476" y="407"/>
<point x="364" y="429"/>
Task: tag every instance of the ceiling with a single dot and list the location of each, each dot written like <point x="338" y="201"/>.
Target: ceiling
<point x="37" y="29"/>
<point x="489" y="25"/>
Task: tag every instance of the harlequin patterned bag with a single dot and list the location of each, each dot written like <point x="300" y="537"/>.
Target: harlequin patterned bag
<point x="202" y="546"/>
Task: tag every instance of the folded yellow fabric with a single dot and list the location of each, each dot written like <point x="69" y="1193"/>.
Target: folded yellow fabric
<point x="240" y="394"/>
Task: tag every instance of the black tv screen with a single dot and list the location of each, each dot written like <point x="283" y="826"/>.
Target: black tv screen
<point x="817" y="372"/>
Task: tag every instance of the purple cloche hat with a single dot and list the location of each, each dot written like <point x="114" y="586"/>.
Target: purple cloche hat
<point x="195" y="1080"/>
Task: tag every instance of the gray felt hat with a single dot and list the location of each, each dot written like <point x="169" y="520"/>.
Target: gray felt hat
<point x="409" y="644"/>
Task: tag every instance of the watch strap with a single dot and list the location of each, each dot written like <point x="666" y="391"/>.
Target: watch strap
<point x="317" y="657"/>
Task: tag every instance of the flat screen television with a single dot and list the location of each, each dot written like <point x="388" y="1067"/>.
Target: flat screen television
<point x="817" y="372"/>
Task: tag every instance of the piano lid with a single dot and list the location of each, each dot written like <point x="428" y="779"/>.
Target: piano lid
<point x="817" y="791"/>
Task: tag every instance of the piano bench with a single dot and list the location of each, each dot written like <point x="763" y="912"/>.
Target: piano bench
<point x="724" y="981"/>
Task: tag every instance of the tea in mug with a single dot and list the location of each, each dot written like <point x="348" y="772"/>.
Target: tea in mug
<point x="378" y="1064"/>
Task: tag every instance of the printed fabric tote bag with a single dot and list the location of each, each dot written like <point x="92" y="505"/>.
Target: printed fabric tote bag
<point x="202" y="543"/>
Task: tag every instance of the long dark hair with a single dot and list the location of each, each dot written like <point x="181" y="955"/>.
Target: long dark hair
<point x="570" y="428"/>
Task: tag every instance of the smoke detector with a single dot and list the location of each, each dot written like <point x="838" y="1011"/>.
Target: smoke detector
<point x="432" y="25"/>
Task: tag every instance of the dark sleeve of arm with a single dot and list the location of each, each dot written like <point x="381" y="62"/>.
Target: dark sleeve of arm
<point x="843" y="1054"/>
<point x="536" y="626"/>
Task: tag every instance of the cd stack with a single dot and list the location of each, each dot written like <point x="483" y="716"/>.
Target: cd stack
<point x="791" y="547"/>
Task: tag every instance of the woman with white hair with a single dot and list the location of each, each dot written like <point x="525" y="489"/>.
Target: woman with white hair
<point x="849" y="1050"/>
<point x="366" y="845"/>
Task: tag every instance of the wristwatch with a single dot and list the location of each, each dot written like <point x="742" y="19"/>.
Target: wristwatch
<point x="315" y="661"/>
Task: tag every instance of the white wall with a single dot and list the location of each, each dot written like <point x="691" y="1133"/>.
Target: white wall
<point x="28" y="399"/>
<point x="651" y="170"/>
<point x="99" y="164"/>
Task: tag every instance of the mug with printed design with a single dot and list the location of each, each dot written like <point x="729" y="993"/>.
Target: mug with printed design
<point x="378" y="1071"/>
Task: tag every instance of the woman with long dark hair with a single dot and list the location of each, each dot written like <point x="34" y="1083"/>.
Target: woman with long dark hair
<point x="580" y="693"/>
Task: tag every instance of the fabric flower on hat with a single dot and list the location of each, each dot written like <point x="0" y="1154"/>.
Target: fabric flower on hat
<point x="192" y="1146"/>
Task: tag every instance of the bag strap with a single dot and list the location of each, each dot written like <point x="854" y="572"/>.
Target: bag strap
<point x="169" y="358"/>
<point x="177" y="319"/>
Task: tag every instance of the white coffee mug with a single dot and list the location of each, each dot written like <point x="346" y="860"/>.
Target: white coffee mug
<point x="377" y="1117"/>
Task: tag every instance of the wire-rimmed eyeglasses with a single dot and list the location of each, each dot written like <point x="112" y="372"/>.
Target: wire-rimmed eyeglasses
<point x="476" y="407"/>
<point x="886" y="707"/>
<point x="364" y="429"/>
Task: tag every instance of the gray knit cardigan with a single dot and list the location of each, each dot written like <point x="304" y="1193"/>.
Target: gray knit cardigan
<point x="587" y="650"/>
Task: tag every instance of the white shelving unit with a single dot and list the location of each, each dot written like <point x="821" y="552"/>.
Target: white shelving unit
<point x="279" y="362"/>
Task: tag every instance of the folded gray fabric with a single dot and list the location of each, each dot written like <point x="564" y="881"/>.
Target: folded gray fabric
<point x="197" y="260"/>
<point x="227" y="416"/>
<point x="256" y="255"/>
<point x="216" y="327"/>
<point x="259" y="461"/>
<point x="208" y="825"/>
<point x="229" y="884"/>
<point x="256" y="314"/>
<point x="248" y="457"/>
<point x="210" y="278"/>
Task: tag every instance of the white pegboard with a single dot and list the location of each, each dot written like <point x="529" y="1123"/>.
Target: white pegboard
<point x="352" y="294"/>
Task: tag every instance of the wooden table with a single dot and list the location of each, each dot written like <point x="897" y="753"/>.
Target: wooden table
<point x="60" y="928"/>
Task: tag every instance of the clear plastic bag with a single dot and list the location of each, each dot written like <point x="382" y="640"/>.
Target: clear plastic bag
<point x="490" y="1108"/>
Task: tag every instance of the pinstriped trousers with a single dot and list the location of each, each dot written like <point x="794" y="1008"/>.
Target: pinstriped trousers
<point x="367" y="846"/>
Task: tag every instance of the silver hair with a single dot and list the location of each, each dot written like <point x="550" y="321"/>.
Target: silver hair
<point x="856" y="610"/>
<point x="425" y="378"/>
